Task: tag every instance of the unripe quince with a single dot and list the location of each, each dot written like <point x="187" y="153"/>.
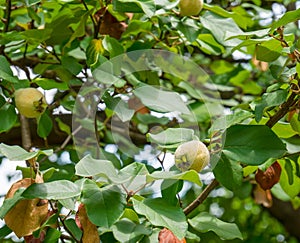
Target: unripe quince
<point x="30" y="102"/>
<point x="192" y="155"/>
<point x="190" y="7"/>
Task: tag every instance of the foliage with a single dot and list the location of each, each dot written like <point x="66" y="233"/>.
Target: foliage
<point x="131" y="81"/>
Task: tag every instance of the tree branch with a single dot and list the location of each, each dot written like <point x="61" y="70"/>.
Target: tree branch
<point x="25" y="132"/>
<point x="91" y="17"/>
<point x="7" y="15"/>
<point x="201" y="197"/>
<point x="284" y="109"/>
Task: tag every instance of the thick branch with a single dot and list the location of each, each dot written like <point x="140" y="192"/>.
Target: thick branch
<point x="25" y="132"/>
<point x="201" y="197"/>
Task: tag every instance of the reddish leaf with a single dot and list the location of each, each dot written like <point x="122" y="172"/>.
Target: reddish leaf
<point x="27" y="215"/>
<point x="32" y="239"/>
<point x="90" y="232"/>
<point x="270" y="177"/>
<point x="167" y="236"/>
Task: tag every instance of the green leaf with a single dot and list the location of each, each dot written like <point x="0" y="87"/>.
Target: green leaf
<point x="63" y="126"/>
<point x="249" y="34"/>
<point x="36" y="36"/>
<point x="170" y="189"/>
<point x="4" y="231"/>
<point x="161" y="100"/>
<point x="113" y="46"/>
<point x="45" y="125"/>
<point x="289" y="171"/>
<point x="71" y="64"/>
<point x="104" y="205"/>
<point x="295" y="123"/>
<point x="204" y="222"/>
<point x="242" y="21"/>
<point x="119" y="106"/>
<point x="252" y="144"/>
<point x="72" y="226"/>
<point x="32" y="2"/>
<point x="150" y="119"/>
<point x="268" y="51"/>
<point x="268" y="100"/>
<point x="54" y="190"/>
<point x="127" y="231"/>
<point x="5" y="71"/>
<point x="298" y="68"/>
<point x="221" y="28"/>
<point x="135" y="6"/>
<point x="47" y="84"/>
<point x="137" y="26"/>
<point x="133" y="176"/>
<point x="9" y="203"/>
<point x="16" y="153"/>
<point x="288" y="17"/>
<point x="89" y="166"/>
<point x="249" y="42"/>
<point x="8" y="117"/>
<point x="80" y="28"/>
<point x="243" y="79"/>
<point x="171" y="137"/>
<point x="131" y="214"/>
<point x="237" y="117"/>
<point x="52" y="235"/>
<point x="229" y="173"/>
<point x="33" y="15"/>
<point x="189" y="29"/>
<point x="190" y="175"/>
<point x="160" y="213"/>
<point x="289" y="180"/>
<point x="209" y="45"/>
<point x="284" y="129"/>
<point x="93" y="52"/>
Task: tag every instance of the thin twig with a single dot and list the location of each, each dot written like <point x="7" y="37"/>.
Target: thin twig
<point x="64" y="144"/>
<point x="204" y="194"/>
<point x="63" y="224"/>
<point x="91" y="16"/>
<point x="7" y="15"/>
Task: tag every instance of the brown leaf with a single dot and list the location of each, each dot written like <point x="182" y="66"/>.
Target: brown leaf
<point x="28" y="214"/>
<point x="167" y="236"/>
<point x="135" y="103"/>
<point x="262" y="196"/>
<point x="90" y="232"/>
<point x="270" y="177"/>
<point x="109" y="24"/>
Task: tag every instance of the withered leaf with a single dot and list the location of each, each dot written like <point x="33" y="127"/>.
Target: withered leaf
<point x="109" y="25"/>
<point x="262" y="196"/>
<point x="28" y="214"/>
<point x="90" y="232"/>
<point x="270" y="177"/>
